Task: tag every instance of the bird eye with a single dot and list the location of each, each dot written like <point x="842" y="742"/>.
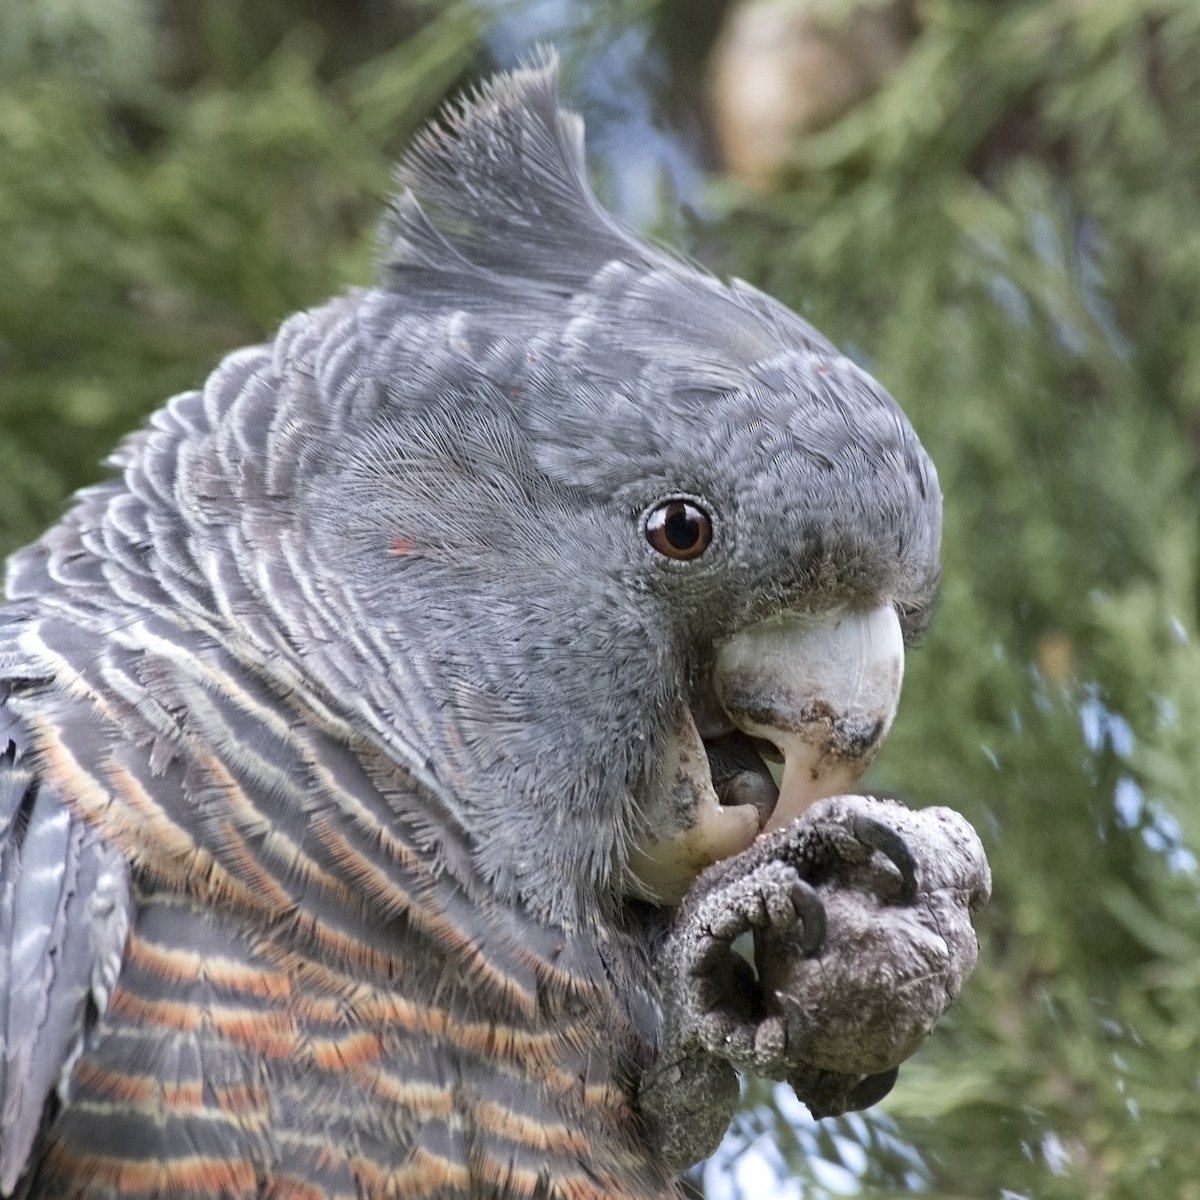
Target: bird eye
<point x="679" y="530"/>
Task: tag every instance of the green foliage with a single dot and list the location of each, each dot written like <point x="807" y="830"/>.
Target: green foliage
<point x="167" y="195"/>
<point x="1008" y="232"/>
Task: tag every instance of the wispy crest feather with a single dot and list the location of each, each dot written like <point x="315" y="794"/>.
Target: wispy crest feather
<point x="499" y="187"/>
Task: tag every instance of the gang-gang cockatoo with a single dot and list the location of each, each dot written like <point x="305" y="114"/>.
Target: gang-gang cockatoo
<point x="363" y="738"/>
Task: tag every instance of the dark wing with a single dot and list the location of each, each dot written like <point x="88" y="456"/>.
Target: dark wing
<point x="64" y="912"/>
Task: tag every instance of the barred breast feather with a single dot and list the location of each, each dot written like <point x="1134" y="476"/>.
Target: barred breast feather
<point x="245" y="953"/>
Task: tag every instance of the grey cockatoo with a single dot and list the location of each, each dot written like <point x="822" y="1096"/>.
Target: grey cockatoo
<point x="361" y="736"/>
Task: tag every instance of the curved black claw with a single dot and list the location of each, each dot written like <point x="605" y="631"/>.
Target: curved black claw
<point x="722" y="993"/>
<point x="871" y="1090"/>
<point x="890" y="844"/>
<point x="809" y="934"/>
<point x="771" y="898"/>
<point x="826" y="1094"/>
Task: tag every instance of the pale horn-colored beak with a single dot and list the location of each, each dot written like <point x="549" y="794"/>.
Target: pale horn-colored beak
<point x="822" y="689"/>
<point x="693" y="830"/>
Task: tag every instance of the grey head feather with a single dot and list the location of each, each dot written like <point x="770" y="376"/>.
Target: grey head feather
<point x="421" y="506"/>
<point x="565" y="375"/>
<point x="494" y="204"/>
<point x="503" y="178"/>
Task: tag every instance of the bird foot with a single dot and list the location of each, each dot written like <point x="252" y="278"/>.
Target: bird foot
<point x="859" y="914"/>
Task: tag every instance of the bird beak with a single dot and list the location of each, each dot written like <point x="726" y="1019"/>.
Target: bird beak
<point x="821" y="689"/>
<point x="693" y="829"/>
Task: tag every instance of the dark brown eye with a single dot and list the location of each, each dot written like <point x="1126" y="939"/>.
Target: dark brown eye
<point x="679" y="530"/>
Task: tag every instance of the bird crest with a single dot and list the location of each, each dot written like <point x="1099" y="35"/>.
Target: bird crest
<point x="498" y="187"/>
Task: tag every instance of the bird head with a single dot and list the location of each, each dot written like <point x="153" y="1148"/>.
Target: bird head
<point x="615" y="531"/>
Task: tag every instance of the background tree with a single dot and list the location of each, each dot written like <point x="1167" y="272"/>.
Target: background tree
<point x="1005" y="226"/>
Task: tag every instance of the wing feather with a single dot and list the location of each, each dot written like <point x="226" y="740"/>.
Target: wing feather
<point x="64" y="914"/>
